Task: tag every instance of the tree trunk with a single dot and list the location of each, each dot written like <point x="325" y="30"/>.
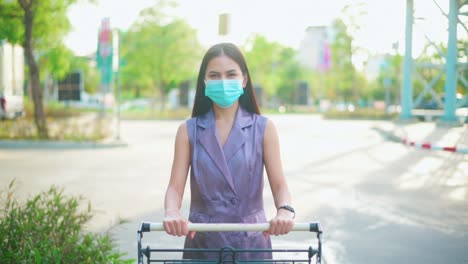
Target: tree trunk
<point x="162" y="90"/>
<point x="356" y="95"/>
<point x="137" y="92"/>
<point x="39" y="115"/>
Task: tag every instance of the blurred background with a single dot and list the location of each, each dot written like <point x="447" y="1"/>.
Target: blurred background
<point x="142" y="57"/>
<point x="92" y="92"/>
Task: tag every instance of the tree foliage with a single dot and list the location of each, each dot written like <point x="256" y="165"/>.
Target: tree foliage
<point x="263" y="58"/>
<point x="342" y="69"/>
<point x="290" y="72"/>
<point x="56" y="61"/>
<point x="159" y="52"/>
<point x="11" y="19"/>
<point x="40" y="27"/>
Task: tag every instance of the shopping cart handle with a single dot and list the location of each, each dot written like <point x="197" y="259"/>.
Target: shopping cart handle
<point x="241" y="227"/>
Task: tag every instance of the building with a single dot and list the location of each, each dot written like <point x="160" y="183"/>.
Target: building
<point x="374" y="65"/>
<point x="314" y="51"/>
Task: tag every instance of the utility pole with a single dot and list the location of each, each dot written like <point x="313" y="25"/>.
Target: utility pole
<point x="407" y="85"/>
<point x="116" y="68"/>
<point x="451" y="64"/>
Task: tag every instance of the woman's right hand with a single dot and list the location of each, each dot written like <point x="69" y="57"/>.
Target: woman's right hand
<point x="176" y="225"/>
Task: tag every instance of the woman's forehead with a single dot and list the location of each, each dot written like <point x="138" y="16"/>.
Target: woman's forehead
<point x="222" y="63"/>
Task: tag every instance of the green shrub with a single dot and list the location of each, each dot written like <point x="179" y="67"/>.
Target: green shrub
<point x="49" y="228"/>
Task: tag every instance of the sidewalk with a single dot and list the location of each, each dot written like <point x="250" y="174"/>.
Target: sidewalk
<point x="52" y="144"/>
<point x="428" y="135"/>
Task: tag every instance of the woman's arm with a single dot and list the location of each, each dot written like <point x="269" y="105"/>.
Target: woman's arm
<point x="174" y="223"/>
<point x="283" y="222"/>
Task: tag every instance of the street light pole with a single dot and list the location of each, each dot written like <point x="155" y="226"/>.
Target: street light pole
<point x="117" y="84"/>
<point x="116" y="68"/>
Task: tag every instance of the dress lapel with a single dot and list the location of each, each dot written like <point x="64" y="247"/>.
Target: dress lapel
<point x="209" y="141"/>
<point x="237" y="136"/>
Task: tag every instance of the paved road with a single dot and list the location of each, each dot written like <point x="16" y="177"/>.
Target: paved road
<point x="378" y="201"/>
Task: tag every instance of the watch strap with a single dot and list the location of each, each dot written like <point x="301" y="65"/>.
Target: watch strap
<point x="289" y="208"/>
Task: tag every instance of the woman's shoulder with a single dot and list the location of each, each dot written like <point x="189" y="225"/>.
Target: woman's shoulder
<point x="260" y="119"/>
<point x="264" y="121"/>
<point x="190" y="121"/>
<point x="182" y="128"/>
<point x="189" y="126"/>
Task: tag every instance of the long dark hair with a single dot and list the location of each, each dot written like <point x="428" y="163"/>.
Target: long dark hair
<point x="247" y="100"/>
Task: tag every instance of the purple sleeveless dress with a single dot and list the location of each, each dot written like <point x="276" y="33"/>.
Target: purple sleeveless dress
<point x="227" y="184"/>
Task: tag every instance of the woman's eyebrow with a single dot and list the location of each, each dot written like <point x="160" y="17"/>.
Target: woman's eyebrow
<point x="229" y="71"/>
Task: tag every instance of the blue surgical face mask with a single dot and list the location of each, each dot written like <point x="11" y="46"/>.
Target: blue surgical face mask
<point x="224" y="92"/>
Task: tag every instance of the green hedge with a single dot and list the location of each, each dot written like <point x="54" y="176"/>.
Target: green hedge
<point x="49" y="228"/>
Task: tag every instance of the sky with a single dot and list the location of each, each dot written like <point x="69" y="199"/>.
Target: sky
<point x="281" y="21"/>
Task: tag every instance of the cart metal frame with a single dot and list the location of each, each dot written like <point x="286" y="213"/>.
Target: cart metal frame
<point x="228" y="254"/>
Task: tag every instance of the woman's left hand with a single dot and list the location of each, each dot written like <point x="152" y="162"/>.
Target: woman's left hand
<point x="282" y="223"/>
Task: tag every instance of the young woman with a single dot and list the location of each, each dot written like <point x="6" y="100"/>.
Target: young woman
<point x="226" y="145"/>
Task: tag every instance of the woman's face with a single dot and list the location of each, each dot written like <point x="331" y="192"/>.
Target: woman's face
<point x="224" y="68"/>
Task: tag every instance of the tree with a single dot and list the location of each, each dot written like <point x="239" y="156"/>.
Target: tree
<point x="59" y="61"/>
<point x="343" y="78"/>
<point x="56" y="61"/>
<point x="133" y="76"/>
<point x="37" y="25"/>
<point x="54" y="64"/>
<point x="342" y="70"/>
<point x="263" y="57"/>
<point x="91" y="73"/>
<point x="160" y="51"/>
<point x="274" y="67"/>
<point x="289" y="73"/>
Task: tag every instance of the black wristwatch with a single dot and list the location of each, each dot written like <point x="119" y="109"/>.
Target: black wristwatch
<point x="289" y="208"/>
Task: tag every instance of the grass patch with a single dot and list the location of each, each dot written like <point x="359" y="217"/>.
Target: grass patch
<point x="290" y="109"/>
<point x="185" y="113"/>
<point x="360" y="114"/>
<point x="148" y="114"/>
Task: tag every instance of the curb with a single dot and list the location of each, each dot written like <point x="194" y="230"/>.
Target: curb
<point x="47" y="144"/>
<point x="429" y="146"/>
<point x="391" y="135"/>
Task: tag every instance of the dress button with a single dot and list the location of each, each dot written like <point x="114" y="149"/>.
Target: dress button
<point x="234" y="201"/>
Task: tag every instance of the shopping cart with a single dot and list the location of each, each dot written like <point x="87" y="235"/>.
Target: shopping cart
<point x="229" y="254"/>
